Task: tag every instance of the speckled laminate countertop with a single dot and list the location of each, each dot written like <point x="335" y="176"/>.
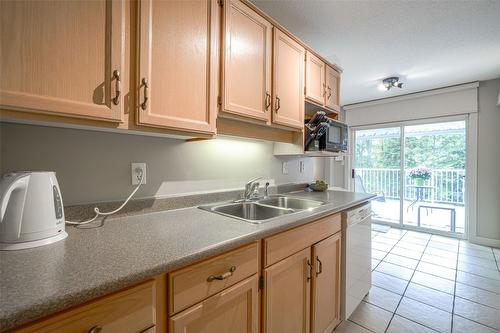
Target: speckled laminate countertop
<point x="95" y="261"/>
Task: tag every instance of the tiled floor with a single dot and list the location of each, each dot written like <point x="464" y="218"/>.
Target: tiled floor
<point x="427" y="283"/>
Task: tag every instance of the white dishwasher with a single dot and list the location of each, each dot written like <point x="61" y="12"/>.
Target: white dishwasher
<point x="356" y="257"/>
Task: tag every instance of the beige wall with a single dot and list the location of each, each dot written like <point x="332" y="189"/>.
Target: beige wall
<point x="95" y="166"/>
<point x="488" y="196"/>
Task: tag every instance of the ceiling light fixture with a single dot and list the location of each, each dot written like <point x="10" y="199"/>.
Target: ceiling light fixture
<point x="392" y="82"/>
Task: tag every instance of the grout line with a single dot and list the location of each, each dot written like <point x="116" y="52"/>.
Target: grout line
<point x="404" y="292"/>
<point x="366" y="328"/>
<point x="486" y="305"/>
<point x="413" y="321"/>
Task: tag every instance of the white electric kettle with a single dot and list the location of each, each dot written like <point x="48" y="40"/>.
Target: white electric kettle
<point x="31" y="210"/>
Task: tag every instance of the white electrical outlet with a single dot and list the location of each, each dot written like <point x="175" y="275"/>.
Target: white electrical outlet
<point x="135" y="173"/>
<point x="285" y="168"/>
<point x="301" y="166"/>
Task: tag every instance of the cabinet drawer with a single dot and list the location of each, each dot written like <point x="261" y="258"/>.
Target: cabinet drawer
<point x="192" y="284"/>
<point x="282" y="245"/>
<point x="129" y="311"/>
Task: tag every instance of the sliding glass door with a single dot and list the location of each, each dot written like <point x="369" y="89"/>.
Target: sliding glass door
<point x="417" y="172"/>
<point x="377" y="165"/>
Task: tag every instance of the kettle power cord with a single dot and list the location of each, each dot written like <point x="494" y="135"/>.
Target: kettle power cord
<point x="99" y="213"/>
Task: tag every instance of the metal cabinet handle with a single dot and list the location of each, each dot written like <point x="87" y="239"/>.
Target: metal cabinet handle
<point x="223" y="276"/>
<point x="278" y="104"/>
<point x="329" y="92"/>
<point x="309" y="271"/>
<point x="268" y="100"/>
<point x="144" y="104"/>
<point x="95" y="329"/>
<point x="320" y="266"/>
<point x="324" y="89"/>
<point x="118" y="86"/>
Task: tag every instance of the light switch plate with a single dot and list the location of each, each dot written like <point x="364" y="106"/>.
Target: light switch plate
<point x="285" y="168"/>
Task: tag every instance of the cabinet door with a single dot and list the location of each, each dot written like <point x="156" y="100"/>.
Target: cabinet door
<point x="332" y="88"/>
<point x="315" y="79"/>
<point x="178" y="64"/>
<point x="246" y="62"/>
<point x="288" y="81"/>
<point x="233" y="310"/>
<point x="59" y="57"/>
<point x="326" y="285"/>
<point x="287" y="294"/>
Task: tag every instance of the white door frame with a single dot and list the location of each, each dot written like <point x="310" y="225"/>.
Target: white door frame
<point x="470" y="170"/>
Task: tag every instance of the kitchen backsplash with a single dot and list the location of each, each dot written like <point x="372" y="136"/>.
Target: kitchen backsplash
<point x="94" y="166"/>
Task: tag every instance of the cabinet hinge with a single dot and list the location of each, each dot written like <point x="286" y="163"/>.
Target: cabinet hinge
<point x="219" y="102"/>
<point x="305" y="91"/>
<point x="261" y="282"/>
<point x="220" y="3"/>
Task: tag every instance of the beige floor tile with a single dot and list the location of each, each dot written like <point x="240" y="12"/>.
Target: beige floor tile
<point x="395" y="270"/>
<point x="383" y="298"/>
<point x="412" y="254"/>
<point x="389" y="282"/>
<point x="445" y="240"/>
<point x="424" y="314"/>
<point x="414" y="240"/>
<point x="476" y="253"/>
<point x="441" y="271"/>
<point x="436" y="260"/>
<point x="350" y="327"/>
<point x="411" y="246"/>
<point x="377" y="254"/>
<point x="443" y="246"/>
<point x="401" y="261"/>
<point x="478" y="295"/>
<point x="403" y="325"/>
<point x="478" y="270"/>
<point x="371" y="317"/>
<point x="430" y="296"/>
<point x="477" y="312"/>
<point x="385" y="240"/>
<point x="478" y="281"/>
<point x="381" y="246"/>
<point x="466" y="244"/>
<point x="462" y="325"/>
<point x="434" y="282"/>
<point x="490" y="264"/>
<point x="441" y="253"/>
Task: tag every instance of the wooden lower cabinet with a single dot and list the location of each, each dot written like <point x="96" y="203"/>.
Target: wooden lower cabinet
<point x="325" y="305"/>
<point x="287" y="293"/>
<point x="234" y="310"/>
<point x="129" y="311"/>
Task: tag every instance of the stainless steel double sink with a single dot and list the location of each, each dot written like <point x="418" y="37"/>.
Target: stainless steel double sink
<point x="263" y="210"/>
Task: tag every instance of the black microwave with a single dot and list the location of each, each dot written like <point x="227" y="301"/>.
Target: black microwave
<point x="335" y="138"/>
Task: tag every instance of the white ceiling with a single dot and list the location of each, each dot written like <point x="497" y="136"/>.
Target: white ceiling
<point x="428" y="44"/>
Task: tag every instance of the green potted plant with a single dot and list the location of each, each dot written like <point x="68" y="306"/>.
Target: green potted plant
<point x="420" y="175"/>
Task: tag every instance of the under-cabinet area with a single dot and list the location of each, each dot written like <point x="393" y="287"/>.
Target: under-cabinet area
<point x="289" y="281"/>
<point x="233" y="69"/>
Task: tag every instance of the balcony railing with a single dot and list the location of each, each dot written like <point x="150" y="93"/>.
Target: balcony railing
<point x="447" y="185"/>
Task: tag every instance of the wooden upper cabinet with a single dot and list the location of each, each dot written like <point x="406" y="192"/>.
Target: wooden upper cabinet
<point x="315" y="79"/>
<point x="178" y="64"/>
<point x="234" y="310"/>
<point x="288" y="81"/>
<point x="332" y="88"/>
<point x="246" y="68"/>
<point x="287" y="294"/>
<point x="60" y="57"/>
<point x="325" y="310"/>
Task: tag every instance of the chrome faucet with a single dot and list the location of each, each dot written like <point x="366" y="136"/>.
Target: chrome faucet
<point x="266" y="190"/>
<point x="250" y="188"/>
